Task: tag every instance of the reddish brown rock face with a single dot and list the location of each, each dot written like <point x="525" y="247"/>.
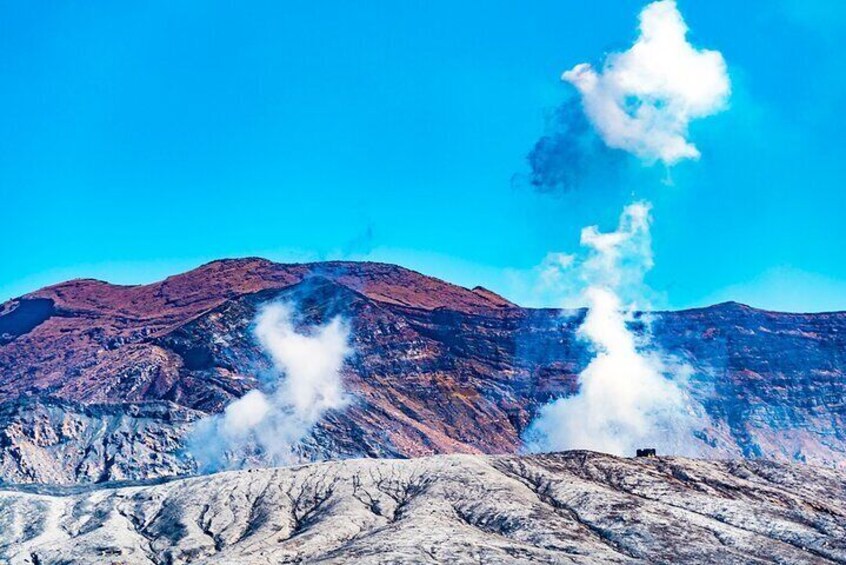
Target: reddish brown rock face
<point x="437" y="368"/>
<point x="72" y="339"/>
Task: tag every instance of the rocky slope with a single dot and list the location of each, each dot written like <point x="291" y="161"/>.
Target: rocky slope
<point x="89" y="369"/>
<point x="574" y="507"/>
<point x="55" y="441"/>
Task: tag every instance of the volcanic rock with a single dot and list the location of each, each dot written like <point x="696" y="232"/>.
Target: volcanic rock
<point x="85" y="366"/>
<point x="574" y="507"/>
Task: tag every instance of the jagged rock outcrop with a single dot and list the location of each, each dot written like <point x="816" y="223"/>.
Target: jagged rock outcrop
<point x="574" y="507"/>
<point x="63" y="442"/>
<point x="437" y="368"/>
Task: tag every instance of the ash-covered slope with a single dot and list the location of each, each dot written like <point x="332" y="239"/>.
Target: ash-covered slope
<point x="437" y="369"/>
<point x="574" y="507"/>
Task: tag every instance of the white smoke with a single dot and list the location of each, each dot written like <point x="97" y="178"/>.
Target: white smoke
<point x="630" y="395"/>
<point x="643" y="99"/>
<point x="307" y="383"/>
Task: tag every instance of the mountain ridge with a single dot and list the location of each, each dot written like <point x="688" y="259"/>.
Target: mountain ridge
<point x="243" y="262"/>
<point x="437" y="369"/>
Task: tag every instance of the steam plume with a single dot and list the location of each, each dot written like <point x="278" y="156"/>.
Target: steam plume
<point x="627" y="395"/>
<point x="643" y="99"/>
<point x="570" y="154"/>
<point x="307" y="383"/>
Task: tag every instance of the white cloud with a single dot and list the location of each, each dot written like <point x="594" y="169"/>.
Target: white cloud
<point x="620" y="258"/>
<point x="307" y="384"/>
<point x="311" y="364"/>
<point x="630" y="394"/>
<point x="245" y="413"/>
<point x="643" y="99"/>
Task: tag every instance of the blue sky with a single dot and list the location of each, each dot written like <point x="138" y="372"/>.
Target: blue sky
<point x="138" y="140"/>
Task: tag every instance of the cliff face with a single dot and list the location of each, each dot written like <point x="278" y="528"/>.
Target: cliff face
<point x="575" y="507"/>
<point x="437" y="368"/>
<point x="62" y="442"/>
